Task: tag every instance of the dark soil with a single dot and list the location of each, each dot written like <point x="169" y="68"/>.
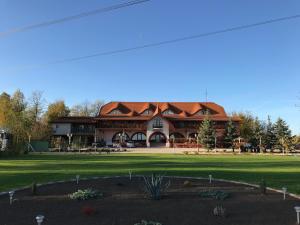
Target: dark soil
<point x="125" y="203"/>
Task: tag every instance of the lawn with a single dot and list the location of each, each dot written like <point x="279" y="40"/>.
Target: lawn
<point x="278" y="171"/>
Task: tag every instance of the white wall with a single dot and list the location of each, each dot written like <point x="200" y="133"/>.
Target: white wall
<point x="164" y="130"/>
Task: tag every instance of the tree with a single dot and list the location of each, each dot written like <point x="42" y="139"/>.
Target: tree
<point x="86" y="108"/>
<point x="5" y="109"/>
<point x="230" y="134"/>
<point x="246" y="125"/>
<point x="269" y="137"/>
<point x="206" y="133"/>
<point x="36" y="105"/>
<point x="55" y="110"/>
<point x="283" y="135"/>
<point x="257" y="134"/>
<point x="18" y="101"/>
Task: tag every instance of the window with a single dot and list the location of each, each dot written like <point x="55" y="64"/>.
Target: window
<point x="120" y="137"/>
<point x="202" y="112"/>
<point x="158" y="123"/>
<point x="115" y="112"/>
<point x="147" y="112"/>
<point x="139" y="137"/>
<point x="168" y="112"/>
<point x="158" y="138"/>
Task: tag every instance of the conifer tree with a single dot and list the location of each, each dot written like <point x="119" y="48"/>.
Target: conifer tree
<point x="206" y="133"/>
<point x="230" y="134"/>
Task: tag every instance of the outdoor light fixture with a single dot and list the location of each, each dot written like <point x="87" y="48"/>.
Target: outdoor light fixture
<point x="297" y="209"/>
<point x="284" y="191"/>
<point x="39" y="219"/>
<point x="210" y="178"/>
<point x="11" y="195"/>
<point x="130" y="174"/>
<point x="77" y="178"/>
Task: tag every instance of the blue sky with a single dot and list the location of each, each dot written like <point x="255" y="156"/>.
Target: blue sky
<point x="256" y="70"/>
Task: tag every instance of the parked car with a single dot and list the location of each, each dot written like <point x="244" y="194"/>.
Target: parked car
<point x="130" y="144"/>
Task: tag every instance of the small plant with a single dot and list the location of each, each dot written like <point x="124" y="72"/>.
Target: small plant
<point x="85" y="194"/>
<point x="154" y="186"/>
<point x="88" y="210"/>
<point x="218" y="195"/>
<point x="187" y="183"/>
<point x="34" y="188"/>
<point x="263" y="187"/>
<point x="144" y="222"/>
<point x="219" y="211"/>
<point x="186" y="152"/>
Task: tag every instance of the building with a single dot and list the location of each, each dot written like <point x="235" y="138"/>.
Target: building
<point x="148" y="124"/>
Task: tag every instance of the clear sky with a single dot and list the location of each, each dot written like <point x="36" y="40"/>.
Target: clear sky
<point x="256" y="70"/>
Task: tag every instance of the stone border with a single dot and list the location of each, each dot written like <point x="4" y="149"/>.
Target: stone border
<point x="196" y="178"/>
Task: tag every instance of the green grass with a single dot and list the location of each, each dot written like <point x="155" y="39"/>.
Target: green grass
<point x="278" y="171"/>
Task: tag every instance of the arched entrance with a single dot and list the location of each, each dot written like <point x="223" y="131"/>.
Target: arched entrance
<point x="157" y="139"/>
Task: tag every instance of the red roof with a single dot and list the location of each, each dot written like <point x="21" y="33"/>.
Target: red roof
<point x="179" y="111"/>
<point x="74" y="119"/>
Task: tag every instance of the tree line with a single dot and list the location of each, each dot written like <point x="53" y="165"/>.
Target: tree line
<point x="29" y="118"/>
<point x="252" y="134"/>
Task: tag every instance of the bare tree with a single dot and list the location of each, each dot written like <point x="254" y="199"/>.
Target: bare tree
<point x="36" y="105"/>
<point x="86" y="108"/>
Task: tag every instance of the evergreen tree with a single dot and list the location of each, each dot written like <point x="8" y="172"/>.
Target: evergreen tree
<point x="269" y="138"/>
<point x="230" y="134"/>
<point x="206" y="133"/>
<point x="257" y="134"/>
<point x="283" y="134"/>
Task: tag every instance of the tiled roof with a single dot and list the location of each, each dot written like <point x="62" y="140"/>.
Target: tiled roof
<point x="182" y="110"/>
<point x="74" y="119"/>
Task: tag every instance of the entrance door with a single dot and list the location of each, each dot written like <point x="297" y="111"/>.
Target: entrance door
<point x="158" y="139"/>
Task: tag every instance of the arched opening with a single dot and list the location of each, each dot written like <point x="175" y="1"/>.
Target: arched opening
<point x="120" y="137"/>
<point x="157" y="139"/>
<point x="177" y="138"/>
<point x="139" y="139"/>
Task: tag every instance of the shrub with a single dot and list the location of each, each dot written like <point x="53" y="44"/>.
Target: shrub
<point x="85" y="194"/>
<point x="88" y="210"/>
<point x="218" y="195"/>
<point x="186" y="152"/>
<point x="219" y="211"/>
<point x="154" y="186"/>
<point x="34" y="188"/>
<point x="263" y="187"/>
<point x="144" y="222"/>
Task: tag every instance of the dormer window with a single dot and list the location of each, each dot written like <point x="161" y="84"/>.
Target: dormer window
<point x="203" y="112"/>
<point x="147" y="112"/>
<point x="115" y="112"/>
<point x="168" y="112"/>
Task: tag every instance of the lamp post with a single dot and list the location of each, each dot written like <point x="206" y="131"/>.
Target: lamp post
<point x="284" y="191"/>
<point x="197" y="139"/>
<point x="70" y="139"/>
<point x="210" y="178"/>
<point x="77" y="179"/>
<point x="239" y="138"/>
<point x="215" y="143"/>
<point x="39" y="219"/>
<point x="11" y="196"/>
<point x="297" y="209"/>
